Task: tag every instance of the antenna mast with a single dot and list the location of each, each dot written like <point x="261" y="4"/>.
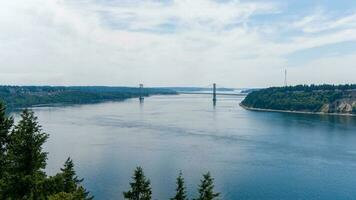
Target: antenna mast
<point x="285" y="78"/>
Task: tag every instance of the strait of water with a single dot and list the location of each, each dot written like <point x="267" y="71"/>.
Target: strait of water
<point x="251" y="155"/>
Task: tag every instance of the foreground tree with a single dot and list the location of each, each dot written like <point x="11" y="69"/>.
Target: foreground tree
<point x="22" y="161"/>
<point x="61" y="196"/>
<point x="206" y="188"/>
<point x="77" y="195"/>
<point x="71" y="182"/>
<point x="66" y="184"/>
<point x="181" y="193"/>
<point x="26" y="159"/>
<point x="6" y="124"/>
<point x="70" y="179"/>
<point x="140" y="187"/>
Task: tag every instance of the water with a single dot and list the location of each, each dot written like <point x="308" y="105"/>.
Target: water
<point x="251" y="155"/>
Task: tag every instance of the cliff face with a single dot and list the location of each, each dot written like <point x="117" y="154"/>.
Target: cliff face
<point x="347" y="104"/>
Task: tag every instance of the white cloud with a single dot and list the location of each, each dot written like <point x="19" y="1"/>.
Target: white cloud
<point x="321" y="22"/>
<point x="181" y="42"/>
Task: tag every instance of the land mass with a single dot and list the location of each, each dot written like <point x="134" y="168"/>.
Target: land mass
<point x="321" y="99"/>
<point x="26" y="96"/>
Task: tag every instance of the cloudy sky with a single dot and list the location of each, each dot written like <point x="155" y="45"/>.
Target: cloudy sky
<point x="235" y="43"/>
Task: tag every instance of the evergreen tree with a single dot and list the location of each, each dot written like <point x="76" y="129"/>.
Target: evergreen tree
<point x="62" y="196"/>
<point x="26" y="159"/>
<point x="6" y="124"/>
<point x="53" y="185"/>
<point x="206" y="188"/>
<point x="23" y="161"/>
<point x="77" y="195"/>
<point x="140" y="187"/>
<point x="71" y="182"/>
<point x="82" y="194"/>
<point x="181" y="194"/>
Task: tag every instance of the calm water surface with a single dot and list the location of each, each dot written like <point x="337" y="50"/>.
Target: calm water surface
<point x="252" y="155"/>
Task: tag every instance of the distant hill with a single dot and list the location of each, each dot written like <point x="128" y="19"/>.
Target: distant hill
<point x="26" y="96"/>
<point x="336" y="99"/>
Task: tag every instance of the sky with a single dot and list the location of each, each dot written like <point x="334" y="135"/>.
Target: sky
<point x="235" y="43"/>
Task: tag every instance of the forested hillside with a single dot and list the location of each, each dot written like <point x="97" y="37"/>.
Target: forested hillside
<point x="313" y="98"/>
<point x="25" y="96"/>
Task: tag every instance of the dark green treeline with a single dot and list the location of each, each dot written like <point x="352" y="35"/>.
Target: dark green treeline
<point x="23" y="160"/>
<point x="140" y="188"/>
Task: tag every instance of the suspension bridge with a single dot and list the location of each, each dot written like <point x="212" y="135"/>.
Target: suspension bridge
<point x="213" y="89"/>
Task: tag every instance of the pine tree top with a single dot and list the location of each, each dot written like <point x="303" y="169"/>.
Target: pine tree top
<point x="140" y="187"/>
<point x="206" y="188"/>
<point x="71" y="180"/>
<point x="180" y="190"/>
<point x="26" y="141"/>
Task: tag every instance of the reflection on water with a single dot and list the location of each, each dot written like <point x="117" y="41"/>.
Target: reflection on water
<point x="252" y="155"/>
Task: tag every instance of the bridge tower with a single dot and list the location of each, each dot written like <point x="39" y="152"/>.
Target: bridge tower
<point x="141" y="93"/>
<point x="214" y="93"/>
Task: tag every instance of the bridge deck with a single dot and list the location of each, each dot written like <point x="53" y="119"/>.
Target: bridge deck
<point x="229" y="94"/>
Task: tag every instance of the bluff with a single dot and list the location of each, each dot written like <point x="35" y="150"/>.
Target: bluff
<point x="335" y="99"/>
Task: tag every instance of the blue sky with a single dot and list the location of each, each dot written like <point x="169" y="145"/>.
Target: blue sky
<point x="177" y="42"/>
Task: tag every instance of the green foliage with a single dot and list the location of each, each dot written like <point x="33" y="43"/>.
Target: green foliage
<point x="26" y="158"/>
<point x="66" y="183"/>
<point x="76" y="195"/>
<point x="206" y="188"/>
<point x="82" y="194"/>
<point x="140" y="187"/>
<point x="53" y="185"/>
<point x="62" y="196"/>
<point x="6" y="124"/>
<point x="25" y="96"/>
<point x="71" y="182"/>
<point x="181" y="193"/>
<point x="23" y="161"/>
<point x="297" y="98"/>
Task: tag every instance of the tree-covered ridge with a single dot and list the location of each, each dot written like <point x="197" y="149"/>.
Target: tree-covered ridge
<point x="309" y="98"/>
<point x="26" y="96"/>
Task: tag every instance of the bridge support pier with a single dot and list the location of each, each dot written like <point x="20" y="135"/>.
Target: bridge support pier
<point x="214" y="93"/>
<point x="141" y="98"/>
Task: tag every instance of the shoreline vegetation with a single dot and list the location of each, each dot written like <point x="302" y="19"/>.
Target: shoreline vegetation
<point x="23" y="162"/>
<point x="304" y="99"/>
<point x="18" y="97"/>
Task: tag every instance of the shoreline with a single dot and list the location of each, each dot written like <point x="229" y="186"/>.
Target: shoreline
<point x="296" y="112"/>
<point x="60" y="104"/>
